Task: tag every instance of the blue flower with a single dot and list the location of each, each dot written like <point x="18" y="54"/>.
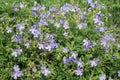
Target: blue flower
<point x="102" y="29"/>
<point x="53" y="8"/>
<point x="48" y="46"/>
<point x="57" y="25"/>
<point x="35" y="31"/>
<point x="16" y="68"/>
<point x="66" y="60"/>
<point x="76" y="8"/>
<point x="102" y="77"/>
<point x="118" y="45"/>
<point x="110" y="15"/>
<point x="41" y="46"/>
<point x="82" y="25"/>
<point x="79" y="63"/>
<point x="16" y="52"/>
<point x="89" y="1"/>
<point x="98" y="19"/>
<point x="87" y="44"/>
<point x="74" y="55"/>
<point x="34" y="69"/>
<point x="118" y="73"/>
<point x="35" y="10"/>
<point x="66" y="25"/>
<point x="45" y="71"/>
<point x="79" y="71"/>
<point x="15" y="7"/>
<point x="107" y="39"/>
<point x="65" y="50"/>
<point x="42" y="22"/>
<point x="62" y="21"/>
<point x="66" y="8"/>
<point x="65" y="33"/>
<point x="17" y="38"/>
<point x="27" y="44"/>
<point x="9" y="30"/>
<point x="21" y="4"/>
<point x="16" y="73"/>
<point x="94" y="4"/>
<point x="94" y="62"/>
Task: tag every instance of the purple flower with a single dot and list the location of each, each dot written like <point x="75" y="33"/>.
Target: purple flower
<point x="9" y="30"/>
<point x="16" y="52"/>
<point x="34" y="13"/>
<point x="66" y="60"/>
<point x="102" y="29"/>
<point x="48" y="47"/>
<point x="82" y="25"/>
<point x="27" y="44"/>
<point x="102" y="6"/>
<point x="54" y="45"/>
<point x="118" y="73"/>
<point x="65" y="33"/>
<point x="102" y="77"/>
<point x="65" y="50"/>
<point x="16" y="68"/>
<point x="107" y="39"/>
<point x="66" y="25"/>
<point x="76" y="8"/>
<point x="41" y="46"/>
<point x="79" y="71"/>
<point x="53" y="8"/>
<point x="105" y="43"/>
<point x="89" y="1"/>
<point x="118" y="45"/>
<point x="34" y="69"/>
<point x="21" y="5"/>
<point x="35" y="31"/>
<point x="114" y="56"/>
<point x="94" y="4"/>
<point x="66" y="8"/>
<point x="87" y="44"/>
<point x="43" y="15"/>
<point x="79" y="63"/>
<point x="98" y="19"/>
<point x="62" y="21"/>
<point x="52" y="19"/>
<point x="110" y="15"/>
<point x="16" y="73"/>
<point x="42" y="22"/>
<point x="15" y="7"/>
<point x="43" y="7"/>
<point x="20" y="27"/>
<point x="74" y="55"/>
<point x="57" y="25"/>
<point x="94" y="62"/>
<point x="49" y="36"/>
<point x="45" y="71"/>
<point x="17" y="38"/>
<point x="35" y="10"/>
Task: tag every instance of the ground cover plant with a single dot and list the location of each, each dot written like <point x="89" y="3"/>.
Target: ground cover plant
<point x="59" y="40"/>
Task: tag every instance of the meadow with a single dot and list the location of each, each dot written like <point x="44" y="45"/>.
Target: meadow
<point x="59" y="39"/>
